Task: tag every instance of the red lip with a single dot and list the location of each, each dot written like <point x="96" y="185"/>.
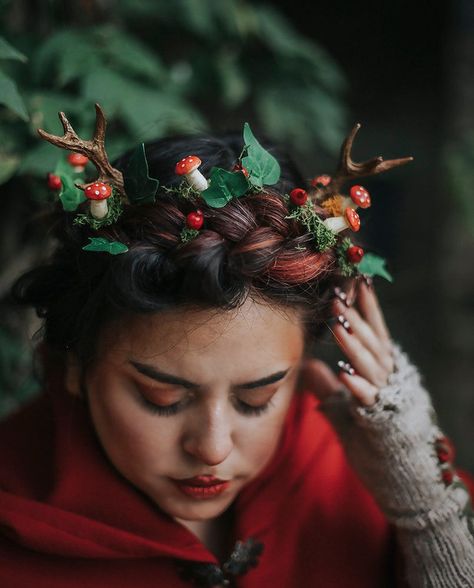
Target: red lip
<point x="202" y="481"/>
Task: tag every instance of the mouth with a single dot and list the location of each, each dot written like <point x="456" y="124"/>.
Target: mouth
<point x="202" y="487"/>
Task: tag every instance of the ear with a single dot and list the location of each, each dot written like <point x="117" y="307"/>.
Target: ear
<point x="72" y="379"/>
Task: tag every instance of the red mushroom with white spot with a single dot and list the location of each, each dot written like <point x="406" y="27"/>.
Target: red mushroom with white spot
<point x="359" y="196"/>
<point x="350" y="220"/>
<point x="188" y="167"/>
<point x="97" y="193"/>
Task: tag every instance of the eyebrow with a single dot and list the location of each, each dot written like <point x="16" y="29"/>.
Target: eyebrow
<point x="152" y="372"/>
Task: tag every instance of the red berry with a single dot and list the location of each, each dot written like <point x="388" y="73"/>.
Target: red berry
<point x="354" y="254"/>
<point x="445" y="449"/>
<point x="195" y="219"/>
<point x="323" y="180"/>
<point x="298" y="196"/>
<point x="360" y="196"/>
<point x="77" y="160"/>
<point x="54" y="182"/>
<point x="238" y="167"/>
<point x="98" y="191"/>
<point x="447" y="475"/>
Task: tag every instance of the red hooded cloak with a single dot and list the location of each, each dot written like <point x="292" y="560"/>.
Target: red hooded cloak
<point x="68" y="518"/>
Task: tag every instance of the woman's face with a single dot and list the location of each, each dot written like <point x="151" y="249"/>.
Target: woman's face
<point x="177" y="395"/>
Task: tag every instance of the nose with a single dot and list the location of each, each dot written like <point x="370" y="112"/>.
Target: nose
<point x="209" y="436"/>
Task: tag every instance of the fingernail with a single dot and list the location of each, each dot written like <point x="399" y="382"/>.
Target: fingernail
<point x="341" y="295"/>
<point x="345" y="323"/>
<point x="346" y="367"/>
<point x="368" y="280"/>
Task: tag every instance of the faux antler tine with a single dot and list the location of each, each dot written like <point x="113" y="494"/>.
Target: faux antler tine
<point x="347" y="145"/>
<point x="68" y="130"/>
<point x="349" y="169"/>
<point x="100" y="124"/>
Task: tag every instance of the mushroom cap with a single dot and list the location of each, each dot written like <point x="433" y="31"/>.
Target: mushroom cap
<point x="187" y="165"/>
<point x="98" y="191"/>
<point x="77" y="159"/>
<point x="352" y="218"/>
<point x="360" y="196"/>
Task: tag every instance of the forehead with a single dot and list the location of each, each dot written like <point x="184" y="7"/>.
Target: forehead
<point x="199" y="340"/>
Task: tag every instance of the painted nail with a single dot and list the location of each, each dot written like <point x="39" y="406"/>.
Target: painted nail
<point x="345" y="323"/>
<point x="368" y="280"/>
<point x="346" y="367"/>
<point x="341" y="295"/>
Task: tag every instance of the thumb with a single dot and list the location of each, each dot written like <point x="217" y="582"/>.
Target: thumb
<point x="317" y="377"/>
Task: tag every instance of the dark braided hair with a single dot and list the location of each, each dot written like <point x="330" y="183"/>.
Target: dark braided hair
<point x="246" y="248"/>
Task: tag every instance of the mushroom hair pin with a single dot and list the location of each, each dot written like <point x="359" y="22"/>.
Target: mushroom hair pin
<point x="109" y="181"/>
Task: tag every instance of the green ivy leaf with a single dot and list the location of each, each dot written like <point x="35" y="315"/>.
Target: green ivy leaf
<point x="102" y="244"/>
<point x="70" y="195"/>
<point x="373" y="265"/>
<point x="10" y="97"/>
<point x="223" y="186"/>
<point x="139" y="187"/>
<point x="263" y="168"/>
<point x="7" y="51"/>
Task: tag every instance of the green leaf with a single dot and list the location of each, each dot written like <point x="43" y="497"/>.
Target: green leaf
<point x="373" y="265"/>
<point x="70" y="195"/>
<point x="10" y="97"/>
<point x="8" y="166"/>
<point x="9" y="52"/>
<point x="263" y="168"/>
<point x="223" y="186"/>
<point x="139" y="187"/>
<point x="102" y="244"/>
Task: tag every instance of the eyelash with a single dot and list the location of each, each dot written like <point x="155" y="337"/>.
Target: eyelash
<point x="172" y="409"/>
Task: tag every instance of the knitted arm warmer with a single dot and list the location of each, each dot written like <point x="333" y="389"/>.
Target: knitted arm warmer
<point x="392" y="447"/>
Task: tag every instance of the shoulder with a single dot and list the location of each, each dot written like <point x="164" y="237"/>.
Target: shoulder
<point x="26" y="446"/>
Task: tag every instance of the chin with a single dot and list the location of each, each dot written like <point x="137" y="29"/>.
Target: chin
<point x="198" y="511"/>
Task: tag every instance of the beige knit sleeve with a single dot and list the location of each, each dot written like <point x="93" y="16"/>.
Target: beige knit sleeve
<point x="392" y="446"/>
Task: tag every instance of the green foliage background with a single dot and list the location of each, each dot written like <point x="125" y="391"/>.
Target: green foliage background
<point x="156" y="67"/>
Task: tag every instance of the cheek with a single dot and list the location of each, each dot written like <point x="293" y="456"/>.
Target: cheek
<point x="259" y="438"/>
<point x="133" y="441"/>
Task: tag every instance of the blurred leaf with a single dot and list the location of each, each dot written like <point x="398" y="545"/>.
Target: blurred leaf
<point x="234" y="84"/>
<point x="459" y="162"/>
<point x="10" y="97"/>
<point x="8" y="166"/>
<point x="130" y="54"/>
<point x="301" y="117"/>
<point x="39" y="160"/>
<point x="9" y="52"/>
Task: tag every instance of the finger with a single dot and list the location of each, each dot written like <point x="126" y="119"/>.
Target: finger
<point x="361" y="329"/>
<point x="317" y="377"/>
<point x="360" y="388"/>
<point x="360" y="357"/>
<point x="371" y="312"/>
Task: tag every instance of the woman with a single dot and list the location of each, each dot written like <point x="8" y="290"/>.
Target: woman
<point x="187" y="435"/>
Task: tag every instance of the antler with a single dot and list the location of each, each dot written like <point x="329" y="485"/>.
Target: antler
<point x="349" y="169"/>
<point x="93" y="149"/>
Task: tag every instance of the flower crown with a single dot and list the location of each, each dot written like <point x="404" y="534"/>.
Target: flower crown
<point x="255" y="168"/>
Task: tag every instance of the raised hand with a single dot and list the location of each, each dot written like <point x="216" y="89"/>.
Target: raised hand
<point x="362" y="334"/>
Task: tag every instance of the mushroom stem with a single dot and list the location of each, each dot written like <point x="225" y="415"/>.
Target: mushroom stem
<point x="98" y="208"/>
<point x="196" y="180"/>
<point x="336" y="223"/>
